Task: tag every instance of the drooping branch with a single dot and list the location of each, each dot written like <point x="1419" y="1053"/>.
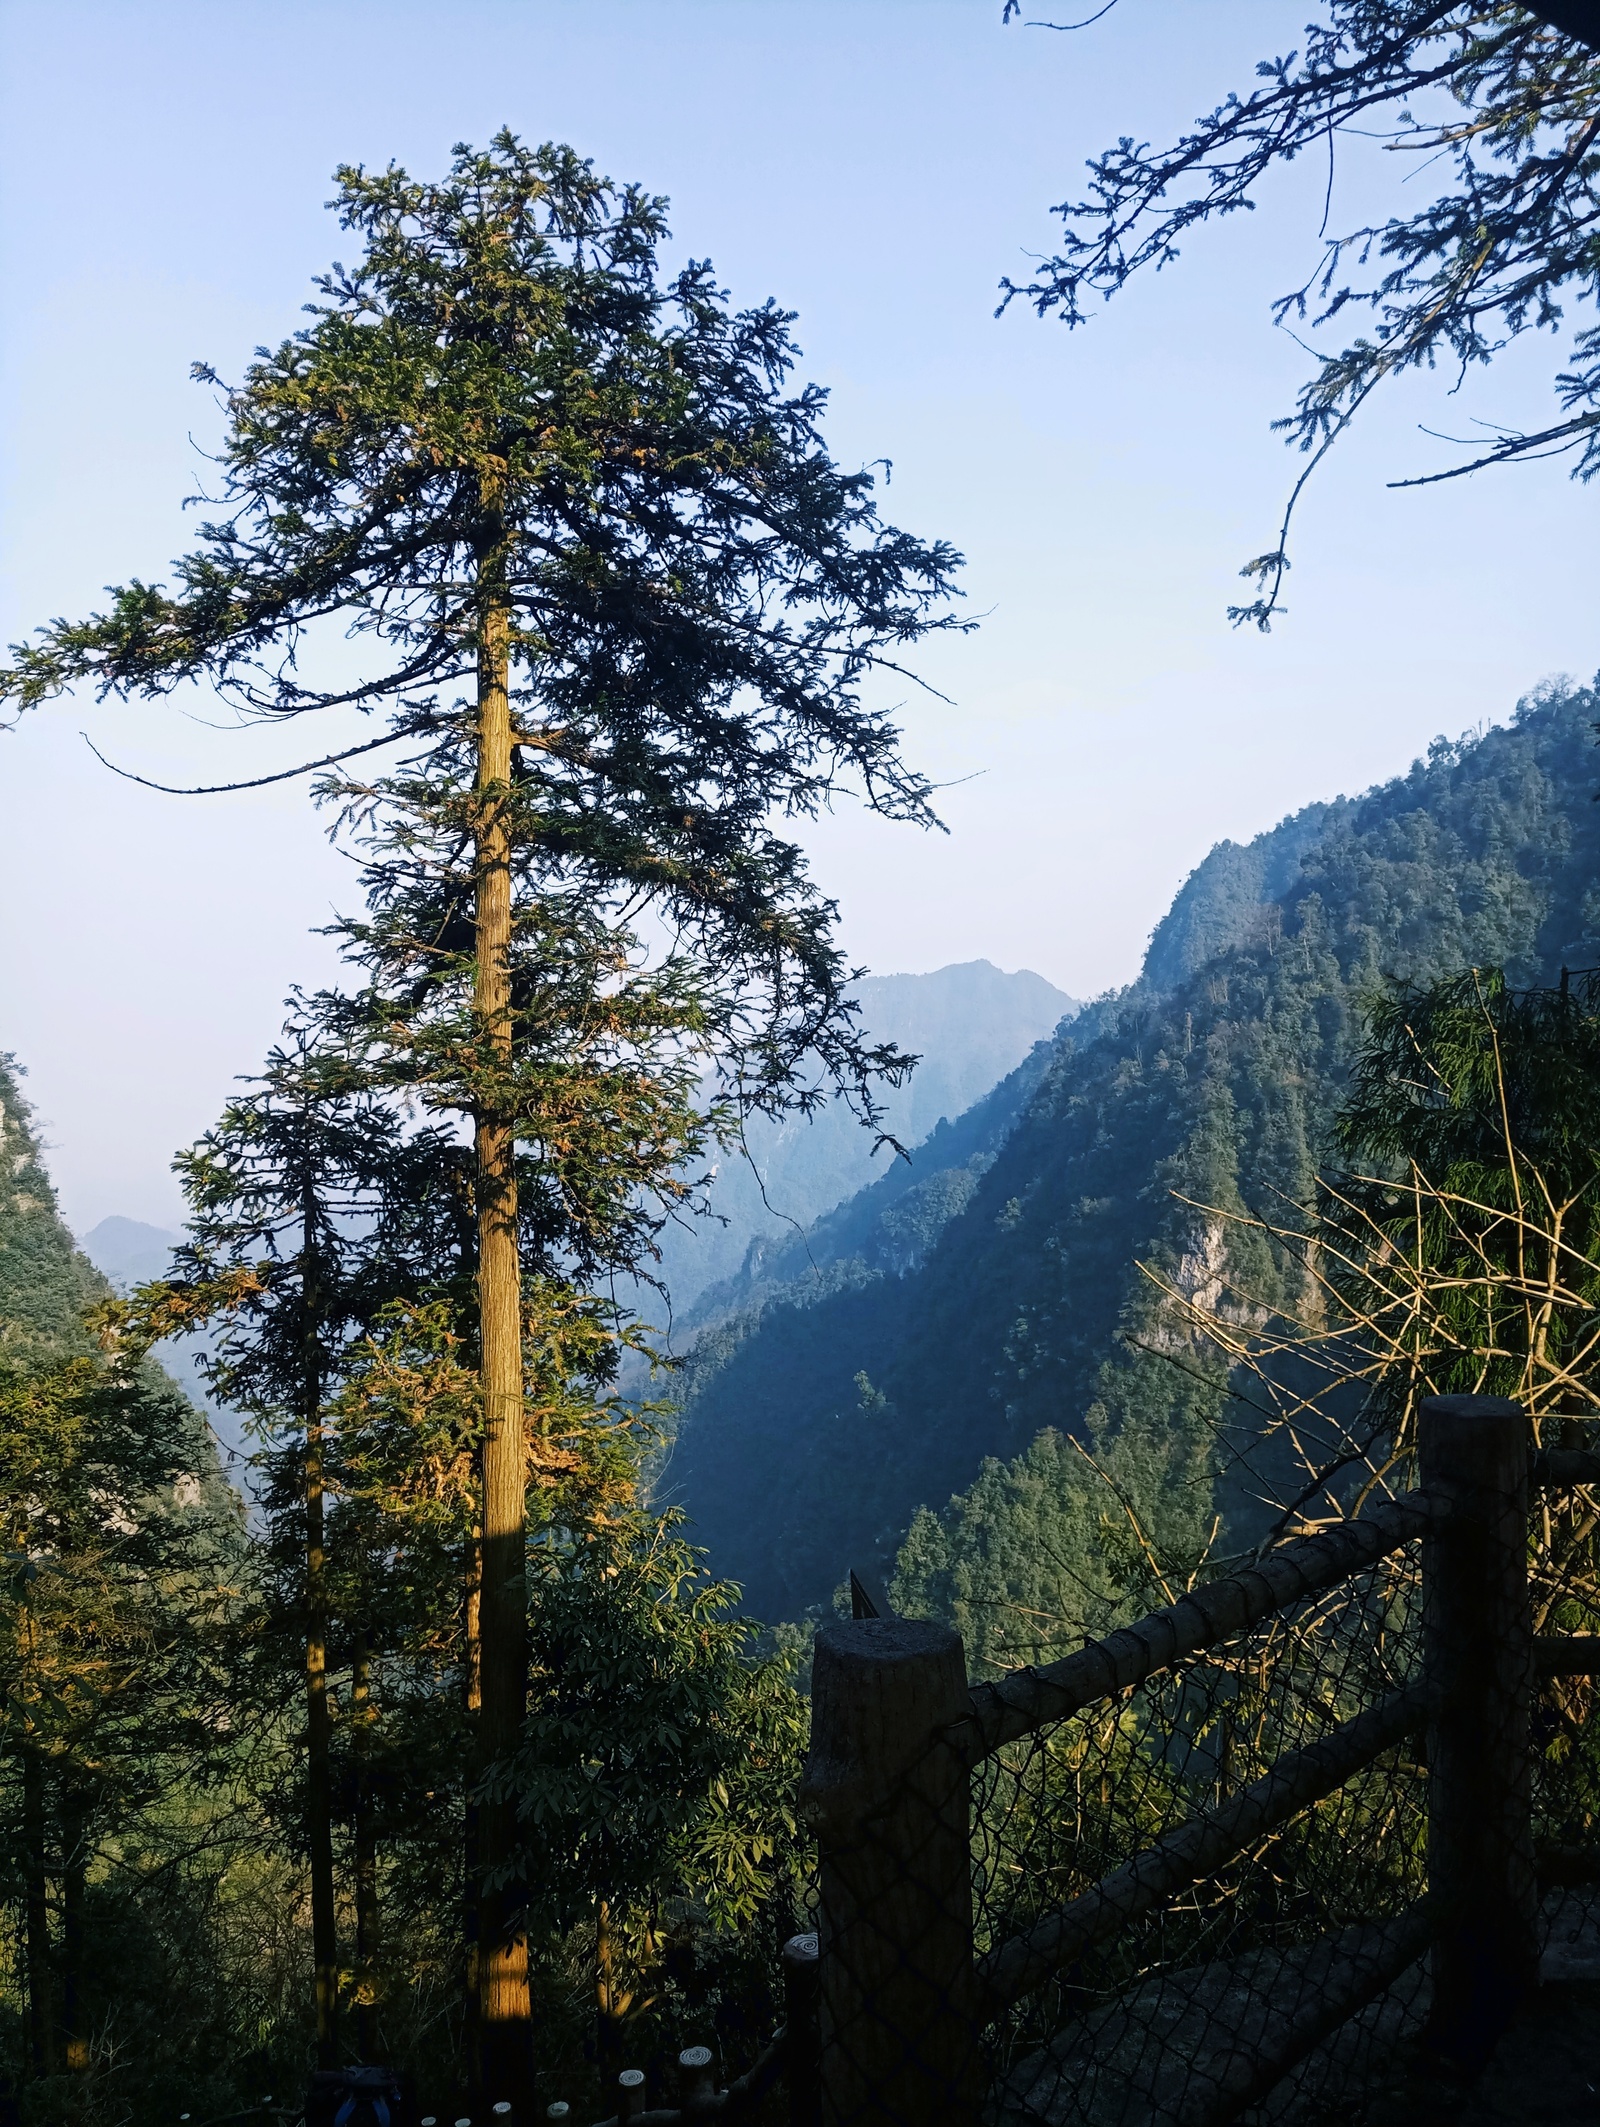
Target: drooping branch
<point x="1507" y="110"/>
<point x="214" y="790"/>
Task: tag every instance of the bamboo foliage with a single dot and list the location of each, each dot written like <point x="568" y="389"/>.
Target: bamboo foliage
<point x="1465" y="1258"/>
<point x="1472" y="1265"/>
<point x="1458" y="1250"/>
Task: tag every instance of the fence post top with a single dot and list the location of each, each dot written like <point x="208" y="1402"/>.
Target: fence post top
<point x="1458" y="1407"/>
<point x="883" y="1642"/>
<point x="1474" y="1448"/>
<point x="882" y="1690"/>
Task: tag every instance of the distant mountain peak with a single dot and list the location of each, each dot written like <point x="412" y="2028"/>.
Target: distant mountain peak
<point x="128" y="1251"/>
<point x="971" y="1023"/>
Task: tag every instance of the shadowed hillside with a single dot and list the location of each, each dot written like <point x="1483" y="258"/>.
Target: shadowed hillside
<point x="970" y="1024"/>
<point x="819" y="1420"/>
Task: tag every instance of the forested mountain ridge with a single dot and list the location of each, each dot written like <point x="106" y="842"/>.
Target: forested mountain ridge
<point x="810" y="1440"/>
<point x="45" y="1283"/>
<point x="1221" y="902"/>
<point x="128" y="1559"/>
<point x="48" y="1283"/>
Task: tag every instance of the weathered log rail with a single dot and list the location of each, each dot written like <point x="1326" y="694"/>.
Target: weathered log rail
<point x="896" y="1737"/>
<point x="1030" y="1699"/>
<point x="1564" y="1469"/>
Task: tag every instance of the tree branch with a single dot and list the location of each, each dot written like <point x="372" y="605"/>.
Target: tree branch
<point x="212" y="790"/>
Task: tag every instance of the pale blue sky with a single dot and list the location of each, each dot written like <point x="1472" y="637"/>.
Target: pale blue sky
<point x="876" y="166"/>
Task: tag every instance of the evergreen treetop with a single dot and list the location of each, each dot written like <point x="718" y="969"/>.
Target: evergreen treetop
<point x="505" y="386"/>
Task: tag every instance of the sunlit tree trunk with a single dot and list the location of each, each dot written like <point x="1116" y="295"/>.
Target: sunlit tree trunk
<point x="319" y="1781"/>
<point x="505" y="2030"/>
<point x="472" y="1700"/>
<point x="366" y="1854"/>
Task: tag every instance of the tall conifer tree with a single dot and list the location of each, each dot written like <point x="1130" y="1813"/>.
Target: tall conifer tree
<point x="507" y="452"/>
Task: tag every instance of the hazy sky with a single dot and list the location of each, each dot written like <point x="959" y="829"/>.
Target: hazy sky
<point x="876" y="165"/>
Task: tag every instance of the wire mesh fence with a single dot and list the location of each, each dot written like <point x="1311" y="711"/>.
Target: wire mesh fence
<point x="1564" y="1590"/>
<point x="1173" y="1974"/>
<point x="1195" y="1872"/>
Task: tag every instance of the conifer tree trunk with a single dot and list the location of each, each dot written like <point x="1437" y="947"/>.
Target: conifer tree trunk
<point x="72" y="1894"/>
<point x="505" y="2030"/>
<point x="472" y="1700"/>
<point x="41" y="2019"/>
<point x="319" y="1783"/>
<point x="366" y="1854"/>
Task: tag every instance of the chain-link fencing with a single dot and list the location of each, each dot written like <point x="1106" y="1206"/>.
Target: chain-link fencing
<point x="1236" y="1860"/>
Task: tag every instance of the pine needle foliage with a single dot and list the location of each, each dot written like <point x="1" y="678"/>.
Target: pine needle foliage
<point x="1501" y="103"/>
<point x="697" y="595"/>
<point x="509" y="455"/>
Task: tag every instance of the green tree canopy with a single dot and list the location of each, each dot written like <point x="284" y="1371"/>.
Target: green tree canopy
<point x="696" y="595"/>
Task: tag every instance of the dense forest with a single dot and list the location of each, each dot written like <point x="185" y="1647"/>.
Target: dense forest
<point x="822" y="1417"/>
<point x="158" y="1820"/>
<point x="976" y="1319"/>
<point x="127" y="1563"/>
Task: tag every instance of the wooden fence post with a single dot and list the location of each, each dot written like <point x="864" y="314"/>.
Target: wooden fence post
<point x="888" y="1797"/>
<point x="1477" y="1627"/>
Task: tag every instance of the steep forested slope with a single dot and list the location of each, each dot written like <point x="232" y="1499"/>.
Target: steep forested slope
<point x="47" y="1282"/>
<point x="817" y="1424"/>
<point x="887" y="1227"/>
<point x="118" y="1759"/>
<point x="44" y="1282"/>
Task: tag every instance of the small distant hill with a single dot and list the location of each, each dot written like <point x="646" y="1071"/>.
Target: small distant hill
<point x="127" y="1252"/>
